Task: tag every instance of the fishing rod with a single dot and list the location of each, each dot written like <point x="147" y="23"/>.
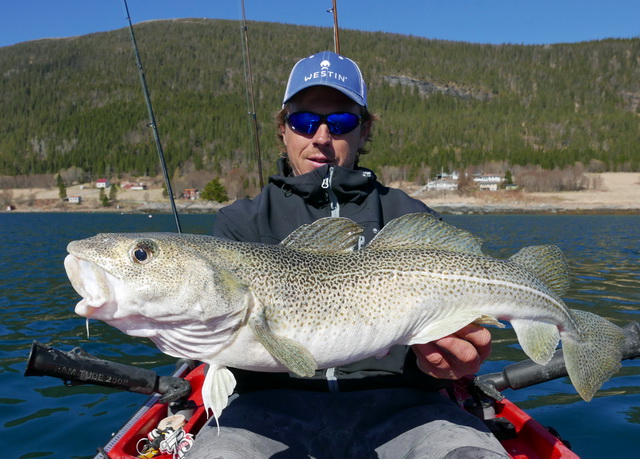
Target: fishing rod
<point x="251" y="103"/>
<point x="336" y="38"/>
<point x="152" y="120"/>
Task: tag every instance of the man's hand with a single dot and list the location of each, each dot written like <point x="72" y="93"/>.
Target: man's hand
<point x="456" y="355"/>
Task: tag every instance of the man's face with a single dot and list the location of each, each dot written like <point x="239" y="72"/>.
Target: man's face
<point x="307" y="152"/>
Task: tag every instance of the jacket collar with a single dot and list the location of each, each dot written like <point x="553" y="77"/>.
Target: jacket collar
<point x="349" y="185"/>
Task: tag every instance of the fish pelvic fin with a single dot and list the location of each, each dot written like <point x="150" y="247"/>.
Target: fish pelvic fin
<point x="288" y="352"/>
<point x="595" y="356"/>
<point x="326" y="235"/>
<point x="485" y="319"/>
<point x="218" y="385"/>
<point x="440" y="328"/>
<point x="424" y="231"/>
<point x="538" y="339"/>
<point x="548" y="264"/>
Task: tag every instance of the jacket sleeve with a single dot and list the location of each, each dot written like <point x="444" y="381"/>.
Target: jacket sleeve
<point x="234" y="222"/>
<point x="396" y="203"/>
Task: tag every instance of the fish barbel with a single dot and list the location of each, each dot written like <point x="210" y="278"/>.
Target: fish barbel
<point x="313" y="302"/>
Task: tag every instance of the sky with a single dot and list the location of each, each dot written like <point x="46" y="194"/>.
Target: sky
<point x="476" y="21"/>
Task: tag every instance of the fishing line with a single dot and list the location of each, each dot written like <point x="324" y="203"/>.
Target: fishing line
<point x="251" y="103"/>
<point x="152" y="120"/>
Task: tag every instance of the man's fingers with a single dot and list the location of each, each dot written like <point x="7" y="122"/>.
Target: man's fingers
<point x="478" y="336"/>
<point x="456" y="355"/>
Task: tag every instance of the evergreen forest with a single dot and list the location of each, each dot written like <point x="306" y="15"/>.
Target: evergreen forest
<point x="77" y="102"/>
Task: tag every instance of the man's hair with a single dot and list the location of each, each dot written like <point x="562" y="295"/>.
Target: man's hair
<point x="367" y="117"/>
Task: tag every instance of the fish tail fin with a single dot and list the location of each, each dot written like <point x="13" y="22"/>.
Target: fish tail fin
<point x="594" y="355"/>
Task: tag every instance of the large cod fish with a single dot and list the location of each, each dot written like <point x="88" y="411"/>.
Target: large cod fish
<point x="313" y="302"/>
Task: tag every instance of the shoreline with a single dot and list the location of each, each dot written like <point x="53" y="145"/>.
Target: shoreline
<point x="619" y="193"/>
<point x="451" y="208"/>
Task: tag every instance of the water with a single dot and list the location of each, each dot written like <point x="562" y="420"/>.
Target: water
<point x="39" y="417"/>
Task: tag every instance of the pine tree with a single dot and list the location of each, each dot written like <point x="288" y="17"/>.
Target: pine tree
<point x="113" y="193"/>
<point x="214" y="191"/>
<point x="508" y="178"/>
<point x="62" y="189"/>
<point x="103" y="198"/>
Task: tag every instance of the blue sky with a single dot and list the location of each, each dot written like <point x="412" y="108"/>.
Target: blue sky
<point x="477" y="21"/>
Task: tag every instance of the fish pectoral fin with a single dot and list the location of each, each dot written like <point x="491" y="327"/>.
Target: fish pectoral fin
<point x="218" y="385"/>
<point x="443" y="327"/>
<point x="288" y="352"/>
<point x="538" y="339"/>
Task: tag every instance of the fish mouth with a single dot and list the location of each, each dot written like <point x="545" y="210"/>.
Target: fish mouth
<point x="97" y="288"/>
<point x="94" y="285"/>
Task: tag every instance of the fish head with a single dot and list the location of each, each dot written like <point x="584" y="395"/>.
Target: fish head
<point x="143" y="283"/>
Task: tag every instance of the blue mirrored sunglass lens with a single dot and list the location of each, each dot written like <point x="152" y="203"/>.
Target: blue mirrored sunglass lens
<point x="308" y="123"/>
<point x="304" y="122"/>
<point x="341" y="123"/>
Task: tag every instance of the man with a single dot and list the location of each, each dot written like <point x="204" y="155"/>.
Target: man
<point x="377" y="407"/>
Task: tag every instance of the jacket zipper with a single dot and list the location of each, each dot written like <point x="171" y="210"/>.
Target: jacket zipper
<point x="327" y="184"/>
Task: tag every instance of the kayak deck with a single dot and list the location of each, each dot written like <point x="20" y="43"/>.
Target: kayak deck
<point x="521" y="435"/>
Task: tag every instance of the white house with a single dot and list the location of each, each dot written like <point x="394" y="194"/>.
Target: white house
<point x="442" y="184"/>
<point x="102" y="183"/>
<point x="488" y="182"/>
<point x="443" y="175"/>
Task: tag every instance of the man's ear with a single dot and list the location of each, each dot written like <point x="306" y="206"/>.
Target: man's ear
<point x="365" y="130"/>
<point x="283" y="129"/>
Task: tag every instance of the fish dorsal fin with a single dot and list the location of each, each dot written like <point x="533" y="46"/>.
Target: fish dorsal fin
<point x="547" y="263"/>
<point x="330" y="234"/>
<point x="423" y="230"/>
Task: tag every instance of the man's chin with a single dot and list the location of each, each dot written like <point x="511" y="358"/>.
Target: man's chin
<point x="310" y="165"/>
<point x="313" y="165"/>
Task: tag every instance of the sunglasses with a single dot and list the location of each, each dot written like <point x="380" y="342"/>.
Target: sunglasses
<point x="309" y="122"/>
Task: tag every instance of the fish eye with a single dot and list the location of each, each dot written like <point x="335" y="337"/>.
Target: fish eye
<point x="142" y="253"/>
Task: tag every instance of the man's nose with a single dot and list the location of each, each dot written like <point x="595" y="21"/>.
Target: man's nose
<point x="322" y="135"/>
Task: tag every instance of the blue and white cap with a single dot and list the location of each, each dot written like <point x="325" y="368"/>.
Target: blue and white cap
<point x="327" y="69"/>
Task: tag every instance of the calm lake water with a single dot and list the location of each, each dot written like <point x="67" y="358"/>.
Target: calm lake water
<point x="39" y="417"/>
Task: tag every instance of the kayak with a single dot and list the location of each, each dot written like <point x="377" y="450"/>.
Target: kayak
<point x="521" y="435"/>
<point x="168" y="423"/>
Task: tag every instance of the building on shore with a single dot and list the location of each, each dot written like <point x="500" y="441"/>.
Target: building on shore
<point x="191" y="193"/>
<point x="491" y="182"/>
<point x="102" y="183"/>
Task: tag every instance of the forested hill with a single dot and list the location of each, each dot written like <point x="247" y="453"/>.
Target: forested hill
<point x="78" y="102"/>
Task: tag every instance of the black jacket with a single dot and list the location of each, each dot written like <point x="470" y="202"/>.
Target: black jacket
<point x="288" y="202"/>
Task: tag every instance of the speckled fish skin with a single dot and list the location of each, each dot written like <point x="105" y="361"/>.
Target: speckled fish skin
<point x="312" y="302"/>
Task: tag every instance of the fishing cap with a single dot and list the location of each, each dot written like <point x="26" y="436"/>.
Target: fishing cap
<point x="327" y="69"/>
